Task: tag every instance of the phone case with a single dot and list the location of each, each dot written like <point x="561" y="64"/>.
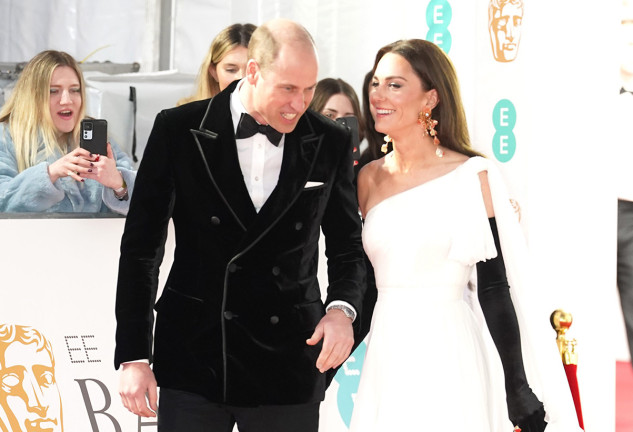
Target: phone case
<point x="352" y="124"/>
<point x="94" y="136"/>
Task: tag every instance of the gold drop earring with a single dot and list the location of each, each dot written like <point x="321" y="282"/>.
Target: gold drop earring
<point x="385" y="147"/>
<point x="428" y="123"/>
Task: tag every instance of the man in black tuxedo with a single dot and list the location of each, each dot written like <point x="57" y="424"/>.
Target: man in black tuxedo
<point x="242" y="336"/>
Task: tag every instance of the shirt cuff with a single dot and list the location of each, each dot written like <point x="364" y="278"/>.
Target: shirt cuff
<point x="146" y="361"/>
<point x="343" y="305"/>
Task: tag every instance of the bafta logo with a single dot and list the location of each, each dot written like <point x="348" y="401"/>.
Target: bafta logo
<point x="504" y="24"/>
<point x="29" y="397"/>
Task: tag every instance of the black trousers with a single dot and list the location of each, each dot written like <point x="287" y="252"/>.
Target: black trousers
<point x="180" y="411"/>
<point x="625" y="265"/>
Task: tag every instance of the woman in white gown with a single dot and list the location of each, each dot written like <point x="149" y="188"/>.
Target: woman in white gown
<point x="434" y="212"/>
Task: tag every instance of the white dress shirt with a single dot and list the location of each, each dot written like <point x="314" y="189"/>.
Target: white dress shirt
<point x="260" y="160"/>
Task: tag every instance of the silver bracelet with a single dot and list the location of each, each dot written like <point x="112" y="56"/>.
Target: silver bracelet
<point x="123" y="197"/>
<point x="121" y="190"/>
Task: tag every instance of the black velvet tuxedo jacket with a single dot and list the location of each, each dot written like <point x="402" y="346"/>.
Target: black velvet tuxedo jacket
<point x="242" y="295"/>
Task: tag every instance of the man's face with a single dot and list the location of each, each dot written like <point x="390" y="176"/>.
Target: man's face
<point x="505" y="32"/>
<point x="283" y="91"/>
<point x="28" y="390"/>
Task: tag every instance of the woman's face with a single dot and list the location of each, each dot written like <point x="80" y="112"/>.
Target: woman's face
<point x="65" y="99"/>
<point x="231" y="67"/>
<point x="337" y="106"/>
<point x="396" y="95"/>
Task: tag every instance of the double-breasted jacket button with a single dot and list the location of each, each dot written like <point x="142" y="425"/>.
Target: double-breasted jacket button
<point x="274" y="319"/>
<point x="232" y="268"/>
<point x="215" y="220"/>
<point x="228" y="315"/>
<point x="276" y="271"/>
<point x="298" y="226"/>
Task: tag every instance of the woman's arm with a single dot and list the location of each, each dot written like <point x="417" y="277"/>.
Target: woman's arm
<point x="117" y="193"/>
<point x="493" y="290"/>
<point x="28" y="191"/>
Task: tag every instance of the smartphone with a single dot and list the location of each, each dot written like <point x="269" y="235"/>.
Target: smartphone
<point x="94" y="136"/>
<point x="352" y="124"/>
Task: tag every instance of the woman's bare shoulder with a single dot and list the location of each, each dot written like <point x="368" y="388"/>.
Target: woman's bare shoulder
<point x="370" y="170"/>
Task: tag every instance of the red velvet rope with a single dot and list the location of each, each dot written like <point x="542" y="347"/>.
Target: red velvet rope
<point x="572" y="379"/>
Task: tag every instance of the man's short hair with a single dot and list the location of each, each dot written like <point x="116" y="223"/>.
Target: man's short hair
<point x="268" y="38"/>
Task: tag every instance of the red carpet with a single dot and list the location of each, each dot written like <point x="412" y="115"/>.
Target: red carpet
<point x="623" y="397"/>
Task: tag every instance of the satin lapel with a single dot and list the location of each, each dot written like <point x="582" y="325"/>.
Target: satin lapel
<point x="215" y="139"/>
<point x="301" y="148"/>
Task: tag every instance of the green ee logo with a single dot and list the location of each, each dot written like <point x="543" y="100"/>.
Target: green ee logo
<point x="438" y="17"/>
<point x="504" y="143"/>
<point x="348" y="378"/>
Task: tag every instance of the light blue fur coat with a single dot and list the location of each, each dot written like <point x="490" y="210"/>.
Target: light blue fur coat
<point x="32" y="190"/>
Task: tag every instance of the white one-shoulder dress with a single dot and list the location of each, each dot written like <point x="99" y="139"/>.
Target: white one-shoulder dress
<point x="430" y="363"/>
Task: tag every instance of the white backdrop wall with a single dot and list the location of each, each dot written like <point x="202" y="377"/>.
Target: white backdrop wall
<point x="347" y="33"/>
<point x="556" y="100"/>
<point x="122" y="30"/>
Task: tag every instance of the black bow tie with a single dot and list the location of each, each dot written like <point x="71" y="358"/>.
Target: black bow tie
<point x="247" y="127"/>
<point x="623" y="90"/>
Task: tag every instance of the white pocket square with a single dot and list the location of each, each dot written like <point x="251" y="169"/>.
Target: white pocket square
<point x="312" y="184"/>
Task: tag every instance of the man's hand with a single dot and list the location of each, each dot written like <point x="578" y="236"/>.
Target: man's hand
<point x="338" y="338"/>
<point x="137" y="387"/>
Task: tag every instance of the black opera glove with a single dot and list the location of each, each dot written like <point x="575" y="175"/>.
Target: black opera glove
<point x="534" y="422"/>
<point x="524" y="408"/>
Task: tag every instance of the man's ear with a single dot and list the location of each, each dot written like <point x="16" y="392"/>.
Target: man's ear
<point x="252" y="71"/>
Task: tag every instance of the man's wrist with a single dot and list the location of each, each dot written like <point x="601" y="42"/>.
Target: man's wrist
<point x="347" y="310"/>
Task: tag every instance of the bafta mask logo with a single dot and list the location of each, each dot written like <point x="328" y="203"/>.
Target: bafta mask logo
<point x="29" y="397"/>
<point x="504" y="24"/>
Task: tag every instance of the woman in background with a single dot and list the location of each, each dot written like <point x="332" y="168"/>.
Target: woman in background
<point x="225" y="62"/>
<point x="335" y="98"/>
<point x="42" y="167"/>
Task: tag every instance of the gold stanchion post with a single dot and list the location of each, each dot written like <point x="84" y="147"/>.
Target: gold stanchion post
<point x="561" y="321"/>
